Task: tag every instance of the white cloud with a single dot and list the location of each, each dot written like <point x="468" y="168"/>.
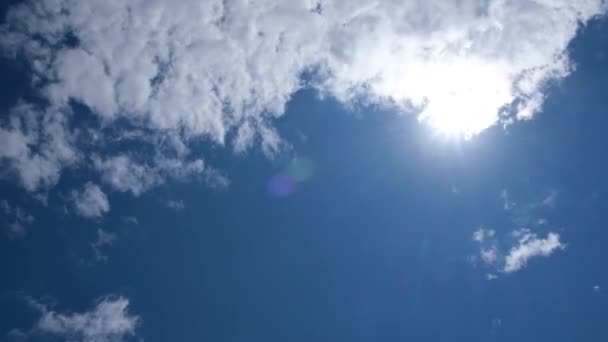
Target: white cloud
<point x="527" y="245"/>
<point x="480" y="235"/>
<point x="108" y="321"/>
<point x="125" y="174"/>
<point x="222" y="71"/>
<point x="530" y="246"/>
<point x="596" y="288"/>
<point x="489" y="255"/>
<point x="91" y="201"/>
<point x="488" y="247"/>
<point x="36" y="146"/>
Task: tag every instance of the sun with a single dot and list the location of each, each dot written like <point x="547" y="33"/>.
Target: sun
<point x="463" y="98"/>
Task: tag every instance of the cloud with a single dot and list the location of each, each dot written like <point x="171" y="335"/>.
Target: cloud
<point x="91" y="202"/>
<point x="104" y="239"/>
<point x="491" y="276"/>
<point x="221" y="72"/>
<point x="481" y="235"/>
<point x="596" y="288"/>
<point x="36" y="146"/>
<point x="530" y="246"/>
<point x="130" y="220"/>
<point x="526" y="246"/>
<point x="489" y="255"/>
<point x="108" y="321"/>
<point x="550" y="199"/>
<point x="176" y="205"/>
<point x="15" y="219"/>
<point x="125" y="174"/>
<point x="508" y="204"/>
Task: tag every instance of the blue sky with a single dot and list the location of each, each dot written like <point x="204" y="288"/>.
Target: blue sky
<point x="330" y="189"/>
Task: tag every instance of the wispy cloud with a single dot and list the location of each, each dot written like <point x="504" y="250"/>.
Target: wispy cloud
<point x="15" y="220"/>
<point x="176" y="205"/>
<point x="104" y="240"/>
<point x="529" y="246"/>
<point x="507" y="204"/>
<point x="108" y="321"/>
<point x="525" y="246"/>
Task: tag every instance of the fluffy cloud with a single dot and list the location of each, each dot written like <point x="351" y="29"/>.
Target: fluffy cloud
<point x="36" y="146"/>
<point x="529" y="246"/>
<point x="108" y="321"/>
<point x="91" y="201"/>
<point x="222" y="71"/>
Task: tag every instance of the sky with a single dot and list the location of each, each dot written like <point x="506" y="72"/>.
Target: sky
<point x="303" y="170"/>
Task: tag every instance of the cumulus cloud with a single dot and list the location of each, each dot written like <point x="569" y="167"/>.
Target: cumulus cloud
<point x="525" y="246"/>
<point x="529" y="246"/>
<point x="91" y="201"/>
<point x="222" y="71"/>
<point x="108" y="321"/>
<point x="36" y="146"/>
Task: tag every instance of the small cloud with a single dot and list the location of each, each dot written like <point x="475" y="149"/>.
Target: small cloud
<point x="104" y="239"/>
<point x="507" y="203"/>
<point x="496" y="325"/>
<point x="491" y="276"/>
<point x="530" y="246"/>
<point x="176" y="205"/>
<point x="489" y="255"/>
<point x="480" y="235"/>
<point x="550" y="199"/>
<point x="91" y="202"/>
<point x="596" y="288"/>
<point x="527" y="246"/>
<point x="17" y="219"/>
<point x="130" y="220"/>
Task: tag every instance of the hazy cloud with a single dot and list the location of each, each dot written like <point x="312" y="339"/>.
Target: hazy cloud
<point x="176" y="205"/>
<point x="15" y="219"/>
<point x="104" y="239"/>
